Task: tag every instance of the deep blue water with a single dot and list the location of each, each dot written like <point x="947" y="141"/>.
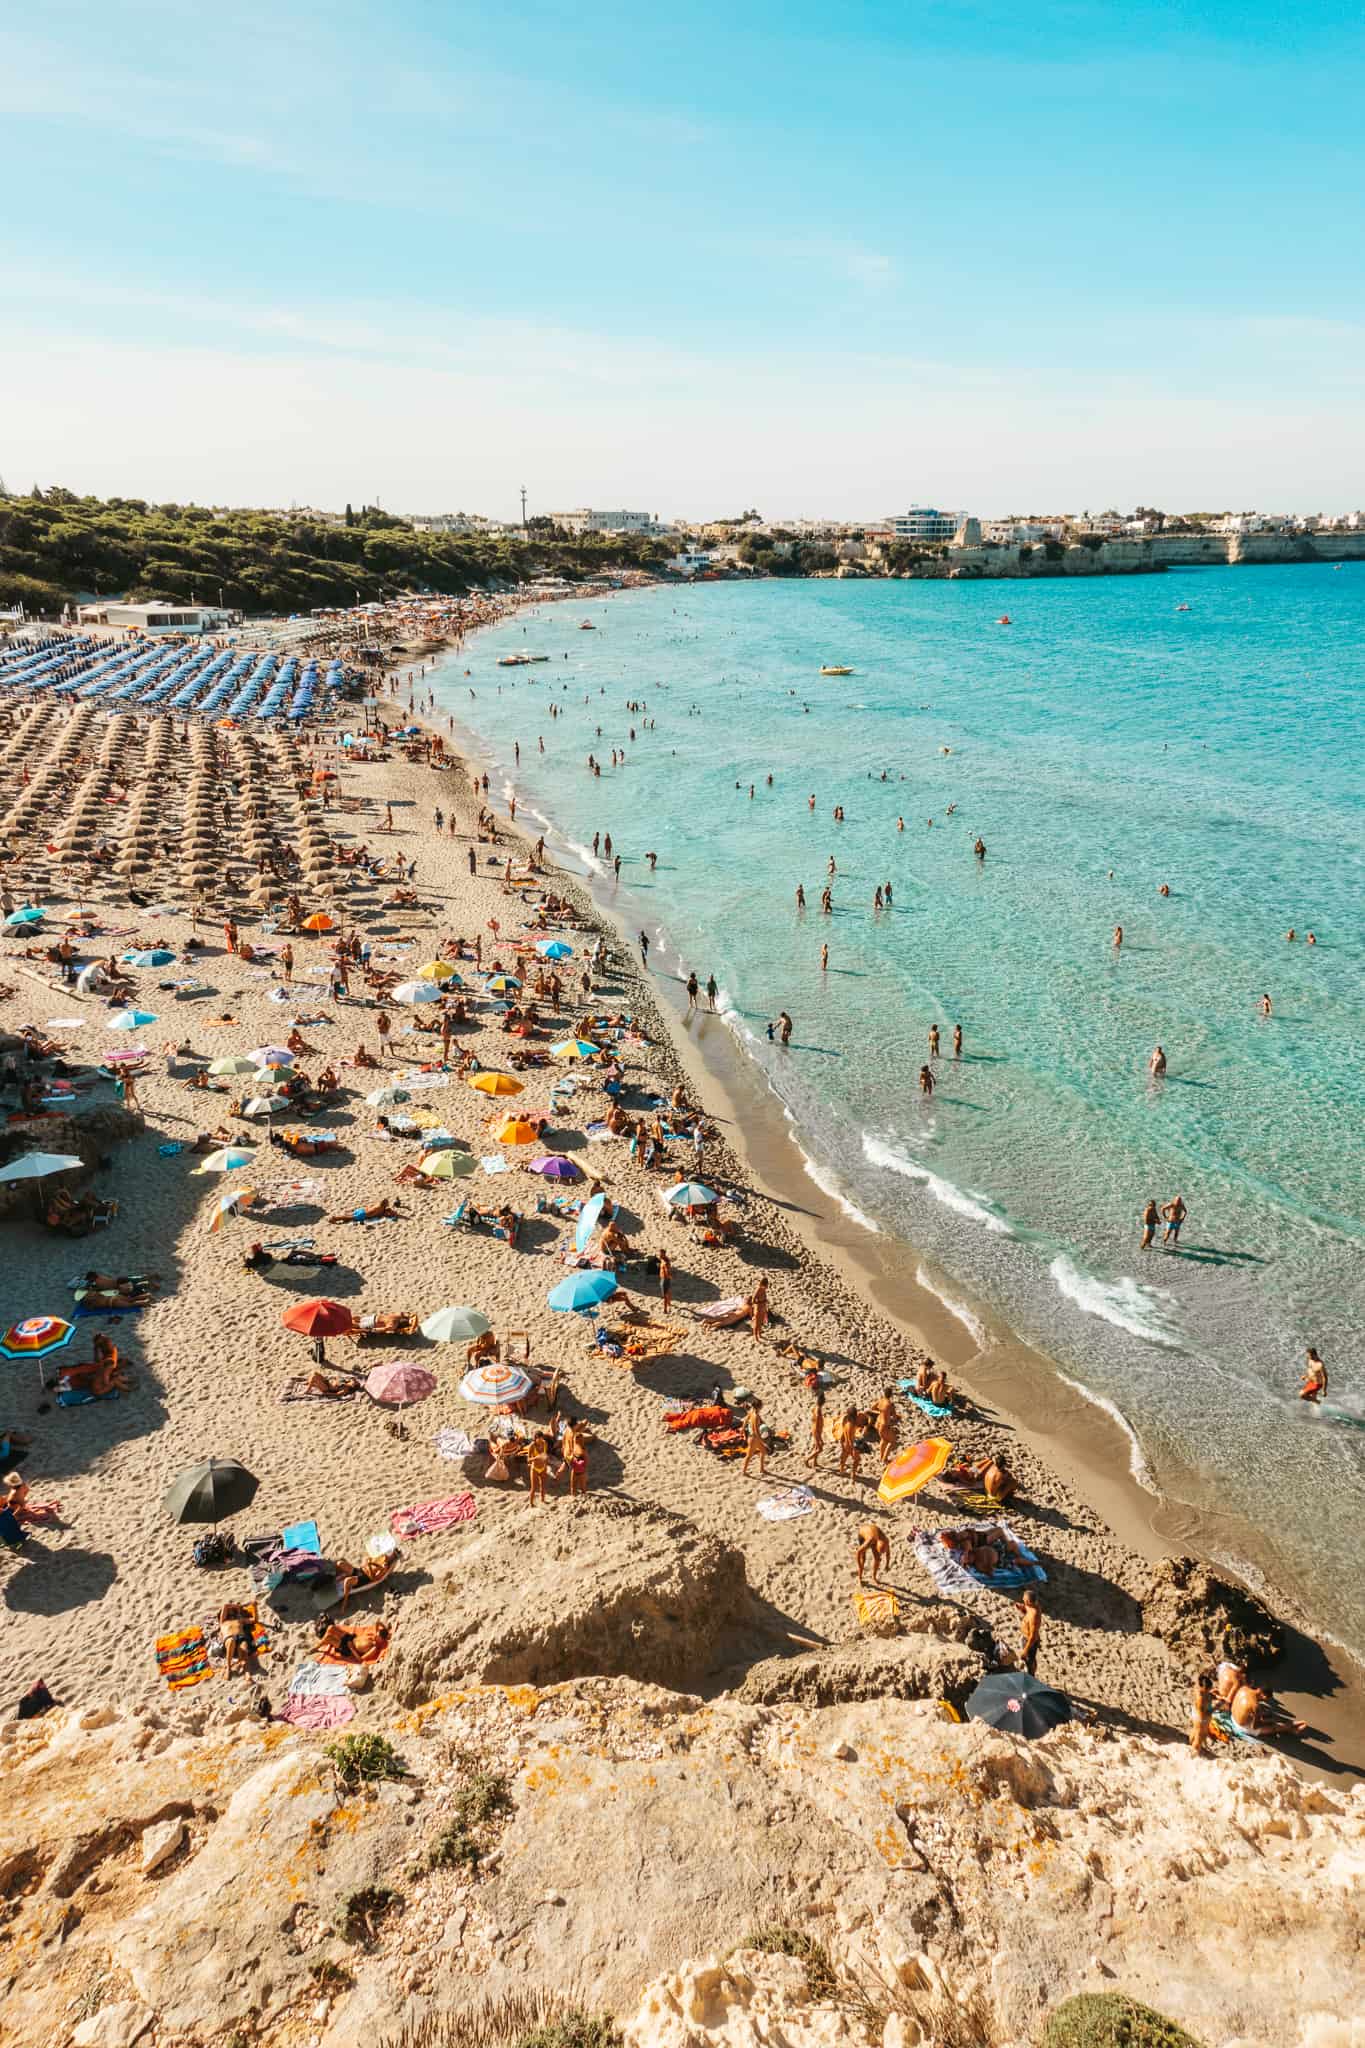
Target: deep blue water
<point x="1101" y="744"/>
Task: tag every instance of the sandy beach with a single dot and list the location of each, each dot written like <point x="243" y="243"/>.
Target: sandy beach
<point x="210" y="1362"/>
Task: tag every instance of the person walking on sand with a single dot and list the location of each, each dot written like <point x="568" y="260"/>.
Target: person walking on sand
<point x="817" y="1431"/>
<point x="888" y="1425"/>
<point x="644" y="949"/>
<point x="754" y="1444"/>
<point x="537" y="1464"/>
<point x="1201" y="1711"/>
<point x="873" y="1548"/>
<point x="1031" y="1628"/>
<point x="1175" y="1213"/>
<point x="1151" y="1216"/>
<point x="758" y="1308"/>
<point x="666" y="1281"/>
<point x="846" y="1436"/>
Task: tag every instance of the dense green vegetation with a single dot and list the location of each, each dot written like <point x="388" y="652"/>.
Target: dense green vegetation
<point x="1109" y="2019"/>
<point x="55" y="547"/>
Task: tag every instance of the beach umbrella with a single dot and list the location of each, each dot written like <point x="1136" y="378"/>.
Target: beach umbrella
<point x="30" y="914"/>
<point x="1017" y="1704"/>
<point x="319" y="922"/>
<point x="501" y="983"/>
<point x="416" y="992"/>
<point x="399" y="1382"/>
<point x="264" y="1105"/>
<point x="516" y="1131"/>
<point x="37" y="1166"/>
<point x="228" y="1202"/>
<point x="445" y="1165"/>
<point x="913" y="1468"/>
<point x="157" y="957"/>
<point x="271" y="1056"/>
<point x="131" y="1020"/>
<point x="555" y="1166"/>
<point x="492" y="1083"/>
<point x="455" y="1325"/>
<point x="319" y="1318"/>
<point x="438" y="970"/>
<point x="491" y="1383"/>
<point x="588" y="1220"/>
<point x="207" y="1492"/>
<point x="690" y="1194"/>
<point x="575" y="1049"/>
<point x="36" y="1337"/>
<point x="582" y="1291"/>
<point x="554" y="949"/>
<point x="233" y="1063"/>
<point x="383" y="1098"/>
<point x="226" y="1160"/>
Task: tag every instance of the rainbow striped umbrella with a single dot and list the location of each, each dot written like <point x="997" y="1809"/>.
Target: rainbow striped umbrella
<point x="36" y="1337"/>
<point x="491" y="1383"/>
<point x="913" y="1468"/>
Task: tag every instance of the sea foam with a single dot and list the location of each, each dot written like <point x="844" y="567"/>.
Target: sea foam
<point x="978" y="1207"/>
<point x="1139" y="1310"/>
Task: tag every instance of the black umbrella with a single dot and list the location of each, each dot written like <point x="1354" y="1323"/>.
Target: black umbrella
<point x="207" y="1492"/>
<point x="1018" y="1705"/>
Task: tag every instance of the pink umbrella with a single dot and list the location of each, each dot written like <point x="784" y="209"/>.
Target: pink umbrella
<point x="398" y="1382"/>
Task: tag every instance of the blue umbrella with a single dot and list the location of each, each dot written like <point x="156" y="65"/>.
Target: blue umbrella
<point x="587" y="1221"/>
<point x="690" y="1194"/>
<point x="30" y="914"/>
<point x="554" y="949"/>
<point x="157" y="957"/>
<point x="582" y="1290"/>
<point x="131" y="1020"/>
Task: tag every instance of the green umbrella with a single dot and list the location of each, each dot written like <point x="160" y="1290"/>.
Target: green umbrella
<point x="207" y="1492"/>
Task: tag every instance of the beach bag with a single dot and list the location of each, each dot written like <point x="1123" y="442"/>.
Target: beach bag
<point x="213" y="1550"/>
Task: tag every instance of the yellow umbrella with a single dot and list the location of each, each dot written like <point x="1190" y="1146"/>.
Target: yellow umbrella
<point x="435" y="970"/>
<point x="495" y="1084"/>
<point x="913" y="1468"/>
<point x="516" y="1131"/>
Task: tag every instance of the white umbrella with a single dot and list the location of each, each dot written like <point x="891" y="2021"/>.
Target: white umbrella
<point x="455" y="1325"/>
<point x="35" y="1165"/>
<point x="416" y="992"/>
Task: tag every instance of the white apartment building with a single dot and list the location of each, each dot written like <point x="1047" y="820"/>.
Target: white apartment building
<point x="587" y="519"/>
<point x="449" y="522"/>
<point x="921" y="522"/>
<point x="1021" y="532"/>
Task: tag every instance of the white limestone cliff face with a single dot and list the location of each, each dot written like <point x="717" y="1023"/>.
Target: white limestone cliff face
<point x="173" y="1880"/>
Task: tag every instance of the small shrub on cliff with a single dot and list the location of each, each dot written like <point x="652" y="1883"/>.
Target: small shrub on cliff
<point x="821" y="1981"/>
<point x="453" y="1848"/>
<point x="481" y="1797"/>
<point x="365" y="1759"/>
<point x="359" y="1912"/>
<point x="1109" y="2019"/>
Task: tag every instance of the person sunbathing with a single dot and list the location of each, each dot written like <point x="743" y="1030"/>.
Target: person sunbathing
<point x="354" y="1644"/>
<point x="363" y="1058"/>
<point x="99" y="1291"/>
<point x="370" y="1212"/>
<point x="373" y="1571"/>
<point x="1253" y="1709"/>
<point x="238" y="1646"/>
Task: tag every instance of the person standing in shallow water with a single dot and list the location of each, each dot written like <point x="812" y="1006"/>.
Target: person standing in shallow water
<point x="1151" y="1216"/>
<point x="693" y="988"/>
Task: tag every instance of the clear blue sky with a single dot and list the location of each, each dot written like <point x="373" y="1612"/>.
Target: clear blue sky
<point x="690" y="258"/>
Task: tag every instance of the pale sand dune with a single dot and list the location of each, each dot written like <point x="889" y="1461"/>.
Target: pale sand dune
<point x="83" y="1605"/>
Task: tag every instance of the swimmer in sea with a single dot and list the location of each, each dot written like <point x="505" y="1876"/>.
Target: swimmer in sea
<point x="1118" y="936"/>
<point x="1156" y="1065"/>
<point x="957" y="1041"/>
<point x="933" y="1041"/>
<point x="1265" y="1006"/>
<point x="926" y="1082"/>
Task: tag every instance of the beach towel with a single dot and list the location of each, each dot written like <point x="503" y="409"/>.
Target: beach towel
<point x="316" y="1712"/>
<point x="77" y="1397"/>
<point x="302" y="1536"/>
<point x="921" y="1401"/>
<point x="371" y="1643"/>
<point x="453" y="1443"/>
<point x="951" y="1576"/>
<point x="697" y="1418"/>
<point x="171" y="1150"/>
<point x="133" y="1309"/>
<point x="785" y="1507"/>
<point x="182" y="1658"/>
<point x="317" y="1681"/>
<point x="876" y="1607"/>
<point x="1224" y="1725"/>
<point x="733" y="1310"/>
<point x="494" y="1163"/>
<point x="431" y="1517"/>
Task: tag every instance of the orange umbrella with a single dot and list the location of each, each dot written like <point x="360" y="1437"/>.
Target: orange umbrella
<point x="491" y="1083"/>
<point x="516" y="1131"/>
<point x="914" y="1468"/>
<point x="319" y="922"/>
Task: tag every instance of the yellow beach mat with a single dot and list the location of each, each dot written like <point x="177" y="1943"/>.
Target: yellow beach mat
<point x="876" y="1607"/>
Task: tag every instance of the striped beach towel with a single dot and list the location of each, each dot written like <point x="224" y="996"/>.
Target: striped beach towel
<point x="432" y="1516"/>
<point x="951" y="1576"/>
<point x="182" y="1658"/>
<point x="876" y="1607"/>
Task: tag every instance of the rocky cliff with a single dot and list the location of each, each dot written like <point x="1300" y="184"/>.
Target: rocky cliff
<point x="605" y="1844"/>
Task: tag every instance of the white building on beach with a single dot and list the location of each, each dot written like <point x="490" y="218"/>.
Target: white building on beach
<point x="587" y="519"/>
<point x="921" y="522"/>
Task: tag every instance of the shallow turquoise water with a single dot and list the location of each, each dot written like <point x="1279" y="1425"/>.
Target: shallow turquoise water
<point x="1218" y="750"/>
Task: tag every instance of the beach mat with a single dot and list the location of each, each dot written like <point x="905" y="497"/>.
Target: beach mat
<point x="316" y="1711"/>
<point x="785" y="1507"/>
<point x="182" y="1658"/>
<point x="876" y="1607"/>
<point x="431" y="1517"/>
<point x="907" y="1387"/>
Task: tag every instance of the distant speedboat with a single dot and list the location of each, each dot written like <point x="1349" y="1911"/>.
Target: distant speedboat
<point x="1182" y="607"/>
<point x="834" y="669"/>
<point x="586" y="626"/>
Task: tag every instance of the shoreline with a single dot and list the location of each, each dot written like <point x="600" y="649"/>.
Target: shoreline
<point x="1076" y="1434"/>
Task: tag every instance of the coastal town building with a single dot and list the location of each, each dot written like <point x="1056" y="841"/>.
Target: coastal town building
<point x="921" y="522"/>
<point x="587" y="519"/>
<point x="449" y="522"/>
<point x="167" y="616"/>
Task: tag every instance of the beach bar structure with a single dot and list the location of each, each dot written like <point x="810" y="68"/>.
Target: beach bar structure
<point x="164" y="617"/>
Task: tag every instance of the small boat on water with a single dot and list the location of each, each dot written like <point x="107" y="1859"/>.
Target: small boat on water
<point x="1182" y="607"/>
<point x="520" y="660"/>
<point x="586" y="626"/>
<point x="833" y="669"/>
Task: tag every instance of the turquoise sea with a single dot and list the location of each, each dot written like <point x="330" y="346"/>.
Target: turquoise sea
<point x="1103" y="742"/>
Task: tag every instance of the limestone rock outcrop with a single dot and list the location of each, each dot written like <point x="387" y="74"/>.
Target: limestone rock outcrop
<point x="1201" y="1617"/>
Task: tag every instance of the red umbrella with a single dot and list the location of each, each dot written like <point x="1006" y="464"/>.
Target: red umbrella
<point x="319" y="1319"/>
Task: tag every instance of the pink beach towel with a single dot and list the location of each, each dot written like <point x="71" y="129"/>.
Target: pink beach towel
<point x="305" y="1711"/>
<point x="432" y="1516"/>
